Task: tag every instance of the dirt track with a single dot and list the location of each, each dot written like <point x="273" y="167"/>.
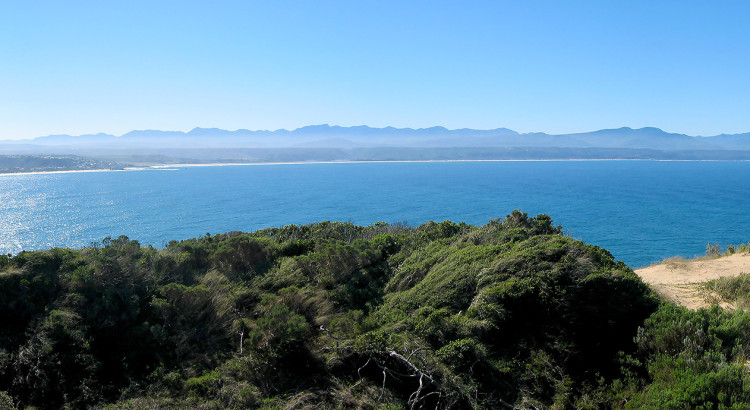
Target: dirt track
<point x="678" y="279"/>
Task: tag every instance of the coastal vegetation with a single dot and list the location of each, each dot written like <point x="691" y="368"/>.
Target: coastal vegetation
<point x="731" y="289"/>
<point x="117" y="159"/>
<point x="48" y="163"/>
<point x="511" y="314"/>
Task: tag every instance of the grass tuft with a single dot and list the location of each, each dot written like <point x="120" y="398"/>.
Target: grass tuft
<point x="734" y="289"/>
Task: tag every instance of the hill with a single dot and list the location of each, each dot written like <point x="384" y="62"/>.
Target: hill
<point x="512" y="314"/>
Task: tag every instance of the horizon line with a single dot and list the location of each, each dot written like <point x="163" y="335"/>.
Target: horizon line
<point x="145" y="130"/>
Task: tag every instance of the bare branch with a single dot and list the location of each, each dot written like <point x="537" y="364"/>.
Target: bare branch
<point x="416" y="371"/>
<point x="471" y="369"/>
<point x="383" y="388"/>
<point x="330" y="334"/>
<point x="360" y="374"/>
<point x="415" y="398"/>
<point x="415" y="351"/>
<point x="508" y="405"/>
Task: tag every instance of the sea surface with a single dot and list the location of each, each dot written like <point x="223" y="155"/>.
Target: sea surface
<point x="641" y="211"/>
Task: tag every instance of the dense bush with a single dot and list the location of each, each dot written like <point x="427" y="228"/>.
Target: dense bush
<point x="339" y="315"/>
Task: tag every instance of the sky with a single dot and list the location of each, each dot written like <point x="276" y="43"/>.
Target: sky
<point x="80" y="67"/>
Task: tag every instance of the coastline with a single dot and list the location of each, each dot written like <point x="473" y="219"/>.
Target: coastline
<point x="223" y="164"/>
<point x="218" y="164"/>
<point x="68" y="171"/>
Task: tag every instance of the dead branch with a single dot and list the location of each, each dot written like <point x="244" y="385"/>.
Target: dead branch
<point x="419" y="349"/>
<point x="471" y="369"/>
<point x="382" y="391"/>
<point x="360" y="370"/>
<point x="416" y="371"/>
<point x="415" y="397"/>
<point x="330" y="334"/>
<point x="508" y="405"/>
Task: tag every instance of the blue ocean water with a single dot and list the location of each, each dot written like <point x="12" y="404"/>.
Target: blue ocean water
<point x="642" y="211"/>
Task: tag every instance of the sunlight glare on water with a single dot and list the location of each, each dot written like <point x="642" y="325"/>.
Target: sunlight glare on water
<point x="642" y="211"/>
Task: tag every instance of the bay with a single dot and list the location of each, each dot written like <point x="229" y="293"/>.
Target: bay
<point x="641" y="211"/>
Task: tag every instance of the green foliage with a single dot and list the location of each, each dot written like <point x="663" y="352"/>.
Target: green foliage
<point x="680" y="384"/>
<point x="6" y="402"/>
<point x="336" y="315"/>
<point x="732" y="289"/>
<point x="715" y="249"/>
<point x="5" y="261"/>
<point x="279" y="329"/>
<point x="205" y="385"/>
<point x="55" y="365"/>
<point x="243" y="254"/>
<point x="693" y="359"/>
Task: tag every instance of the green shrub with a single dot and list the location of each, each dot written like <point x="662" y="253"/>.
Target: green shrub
<point x="735" y="290"/>
<point x="207" y="385"/>
<point x="337" y="315"/>
<point x="6" y="402"/>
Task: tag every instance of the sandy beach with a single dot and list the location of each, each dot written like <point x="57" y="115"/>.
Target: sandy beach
<point x="679" y="279"/>
<point x="223" y="164"/>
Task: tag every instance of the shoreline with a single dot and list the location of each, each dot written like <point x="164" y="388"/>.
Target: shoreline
<point x="219" y="164"/>
<point x="68" y="171"/>
<point x="223" y="164"/>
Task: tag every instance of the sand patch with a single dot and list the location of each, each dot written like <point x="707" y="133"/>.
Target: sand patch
<point x="679" y="280"/>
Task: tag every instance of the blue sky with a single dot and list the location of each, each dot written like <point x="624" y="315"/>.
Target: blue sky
<point x="80" y="67"/>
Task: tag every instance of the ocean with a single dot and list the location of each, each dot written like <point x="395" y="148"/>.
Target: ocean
<point x="641" y="211"/>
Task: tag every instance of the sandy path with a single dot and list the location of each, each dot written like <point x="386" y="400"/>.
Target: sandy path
<point x="678" y="280"/>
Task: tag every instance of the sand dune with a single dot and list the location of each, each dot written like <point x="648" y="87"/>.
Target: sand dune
<point x="679" y="279"/>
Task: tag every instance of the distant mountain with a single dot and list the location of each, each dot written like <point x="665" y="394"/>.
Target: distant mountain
<point x="151" y="134"/>
<point x="324" y="136"/>
<point x="63" y="139"/>
<point x="321" y="136"/>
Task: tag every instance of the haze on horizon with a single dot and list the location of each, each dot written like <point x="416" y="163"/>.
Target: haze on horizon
<point x="87" y="67"/>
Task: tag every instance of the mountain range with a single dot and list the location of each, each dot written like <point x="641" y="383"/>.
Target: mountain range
<point x="319" y="138"/>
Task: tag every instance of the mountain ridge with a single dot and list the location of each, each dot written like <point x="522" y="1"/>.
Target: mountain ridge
<point x="331" y="137"/>
<point x="388" y="130"/>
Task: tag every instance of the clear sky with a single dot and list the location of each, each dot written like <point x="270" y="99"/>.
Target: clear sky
<point x="79" y="67"/>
